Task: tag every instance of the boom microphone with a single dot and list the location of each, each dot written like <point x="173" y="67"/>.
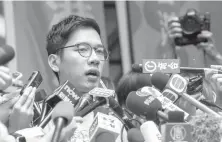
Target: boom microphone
<point x="139" y="68"/>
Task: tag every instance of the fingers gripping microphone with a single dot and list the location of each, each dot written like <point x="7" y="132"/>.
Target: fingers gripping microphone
<point x="178" y="89"/>
<point x="62" y="115"/>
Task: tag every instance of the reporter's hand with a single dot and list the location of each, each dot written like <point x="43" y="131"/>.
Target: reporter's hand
<point x="209" y="45"/>
<point x="6" y="105"/>
<point x="22" y="112"/>
<point x="174" y="30"/>
<point x="5" y="78"/>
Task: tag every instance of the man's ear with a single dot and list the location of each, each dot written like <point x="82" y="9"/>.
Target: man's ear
<point x="54" y="62"/>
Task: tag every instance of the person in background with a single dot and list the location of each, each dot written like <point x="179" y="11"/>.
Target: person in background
<point x="210" y="92"/>
<point x="131" y="81"/>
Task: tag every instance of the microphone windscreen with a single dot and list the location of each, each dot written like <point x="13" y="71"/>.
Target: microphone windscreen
<point x="65" y="110"/>
<point x="40" y="95"/>
<point x="159" y="80"/>
<point x="176" y="116"/>
<point x="7" y="53"/>
<point x="134" y="135"/>
<point x="105" y="137"/>
<point x="143" y="105"/>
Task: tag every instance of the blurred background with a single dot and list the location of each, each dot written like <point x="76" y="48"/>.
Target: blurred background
<point x="132" y="31"/>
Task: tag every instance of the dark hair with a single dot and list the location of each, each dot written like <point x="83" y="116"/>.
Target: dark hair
<point x="59" y="35"/>
<point x="131" y="81"/>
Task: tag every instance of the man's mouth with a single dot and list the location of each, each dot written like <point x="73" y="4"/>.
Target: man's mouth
<point x="93" y="72"/>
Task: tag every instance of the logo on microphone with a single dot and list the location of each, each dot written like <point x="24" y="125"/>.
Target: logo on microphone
<point x="150" y="66"/>
<point x="178" y="133"/>
<point x="178" y="83"/>
<point x="142" y="94"/>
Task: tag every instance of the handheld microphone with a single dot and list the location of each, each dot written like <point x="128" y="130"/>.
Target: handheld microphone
<point x="176" y="131"/>
<point x="85" y="100"/>
<point x="104" y="125"/>
<point x="135" y="135"/>
<point x="150" y="132"/>
<point x="65" y="92"/>
<point x="167" y="104"/>
<point x="177" y="85"/>
<point x="62" y="115"/>
<point x="147" y="106"/>
<point x="114" y="105"/>
<point x="91" y="107"/>
<point x="7" y="53"/>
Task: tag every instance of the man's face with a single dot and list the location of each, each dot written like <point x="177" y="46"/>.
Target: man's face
<point x="83" y="72"/>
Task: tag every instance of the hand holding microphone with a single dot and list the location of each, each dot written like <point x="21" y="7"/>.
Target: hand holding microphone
<point x="22" y="112"/>
<point x="5" y="78"/>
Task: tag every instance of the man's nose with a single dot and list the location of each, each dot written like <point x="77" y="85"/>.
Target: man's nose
<point x="94" y="59"/>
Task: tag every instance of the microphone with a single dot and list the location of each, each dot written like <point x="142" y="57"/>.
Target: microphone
<point x="108" y="94"/>
<point x="150" y="132"/>
<point x="139" y="68"/>
<point x="7" y="53"/>
<point x="177" y="85"/>
<point x="134" y="135"/>
<point x="147" y="106"/>
<point x="199" y="70"/>
<point x="104" y="125"/>
<point x="176" y="116"/>
<point x="85" y="100"/>
<point x="210" y="104"/>
<point x="167" y="104"/>
<point x="91" y="107"/>
<point x="65" y="92"/>
<point x="176" y="131"/>
<point x="100" y="96"/>
<point x="62" y="115"/>
<point x="117" y="109"/>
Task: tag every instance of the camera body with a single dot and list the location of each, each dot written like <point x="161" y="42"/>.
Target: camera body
<point x="192" y="23"/>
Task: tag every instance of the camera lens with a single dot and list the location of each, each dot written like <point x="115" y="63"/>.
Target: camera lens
<point x="191" y="25"/>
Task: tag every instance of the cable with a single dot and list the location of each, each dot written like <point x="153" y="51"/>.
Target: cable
<point x="124" y="126"/>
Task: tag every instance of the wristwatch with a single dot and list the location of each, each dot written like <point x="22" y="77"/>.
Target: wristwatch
<point x="18" y="137"/>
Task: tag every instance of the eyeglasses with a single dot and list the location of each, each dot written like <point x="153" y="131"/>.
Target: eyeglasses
<point x="85" y="50"/>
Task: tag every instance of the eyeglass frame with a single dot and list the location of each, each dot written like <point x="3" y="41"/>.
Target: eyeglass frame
<point x="77" y="45"/>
